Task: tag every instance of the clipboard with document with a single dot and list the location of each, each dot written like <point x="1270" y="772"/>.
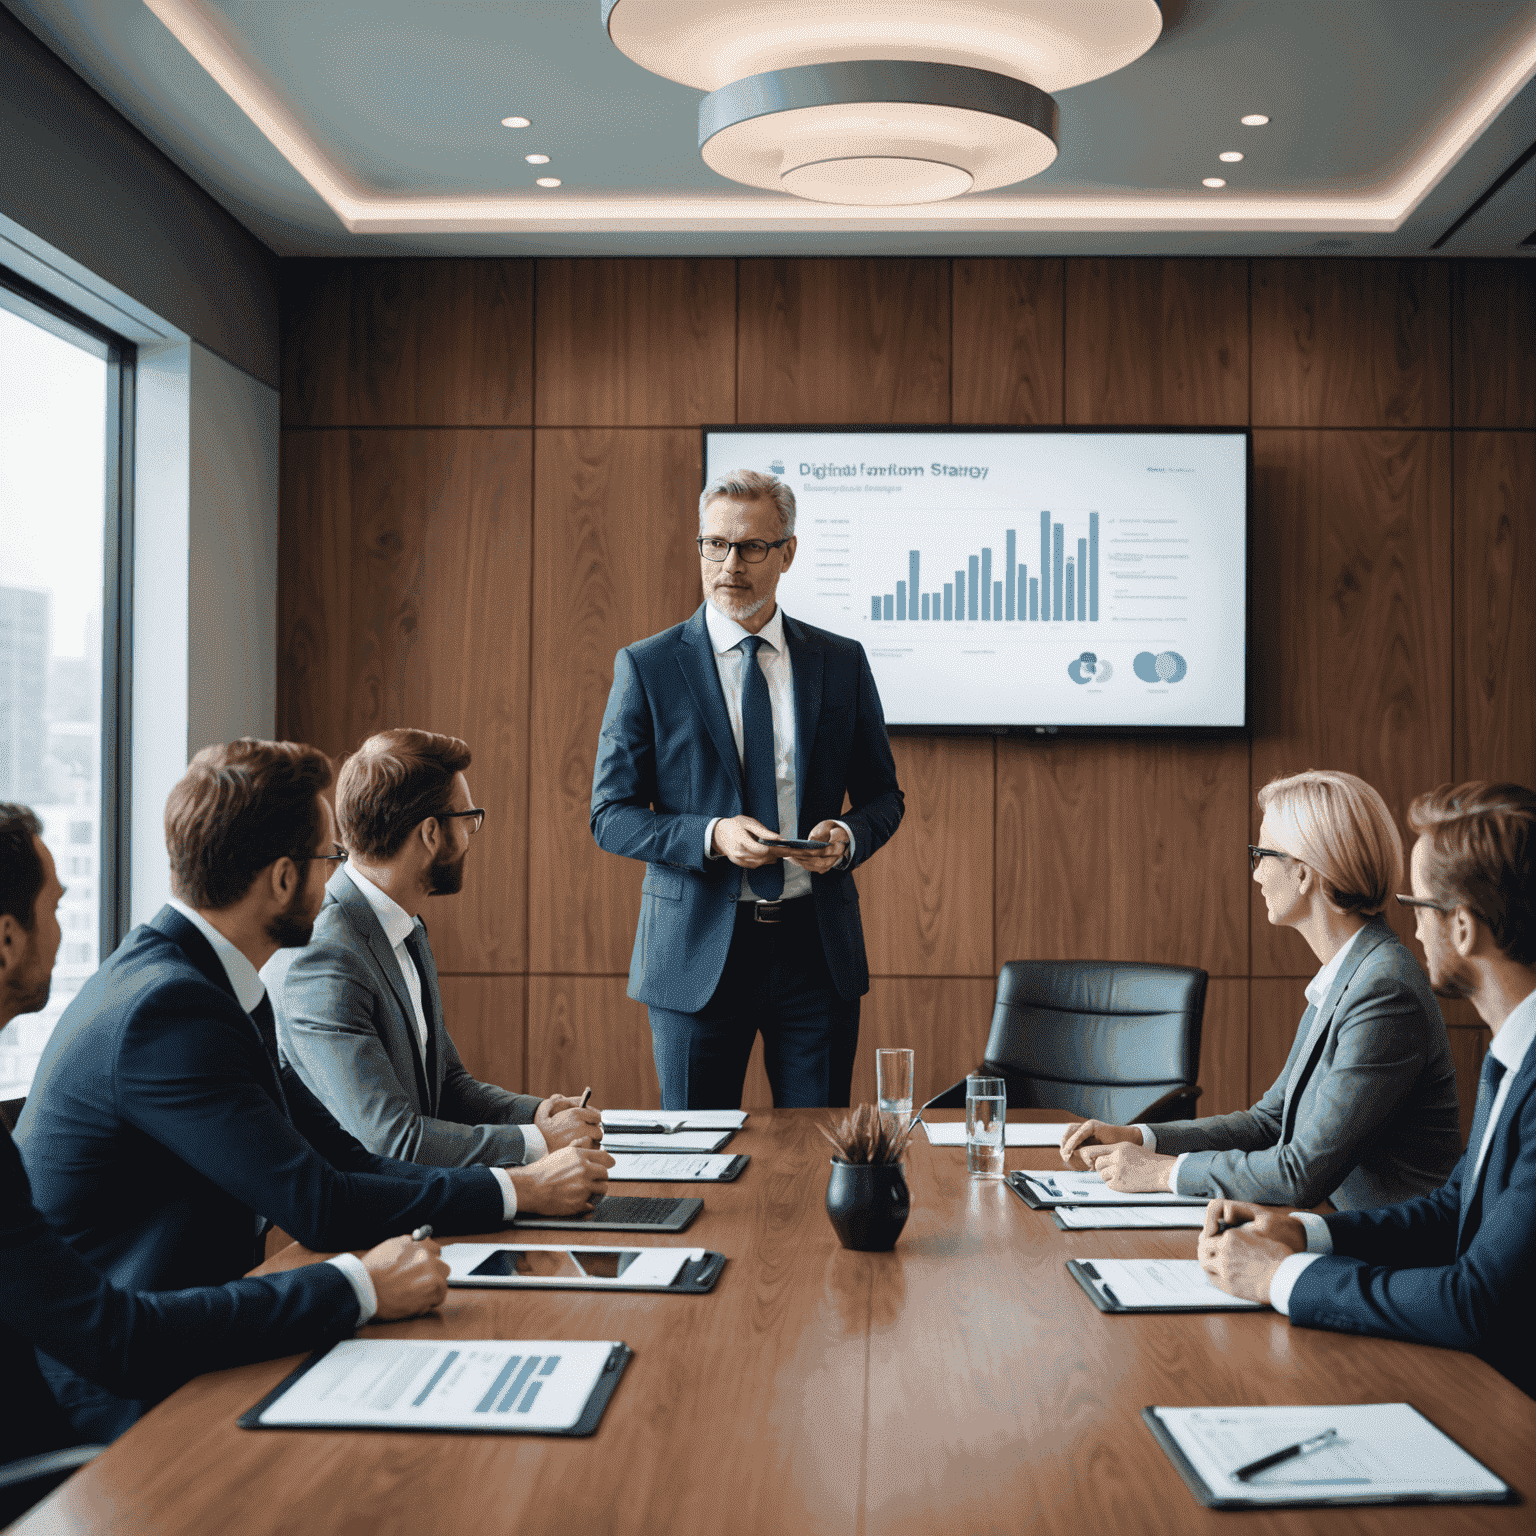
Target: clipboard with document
<point x="559" y="1267"/>
<point x="1154" y="1285"/>
<point x="1044" y="1191"/>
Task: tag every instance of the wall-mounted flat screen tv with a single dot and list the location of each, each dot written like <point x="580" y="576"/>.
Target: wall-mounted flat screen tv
<point x="1022" y="579"/>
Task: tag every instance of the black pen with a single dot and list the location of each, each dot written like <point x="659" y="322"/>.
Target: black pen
<point x="1264" y="1463"/>
<point x="586" y="1098"/>
<point x="1226" y="1226"/>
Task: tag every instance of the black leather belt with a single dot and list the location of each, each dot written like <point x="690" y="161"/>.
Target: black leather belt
<point x="776" y="911"/>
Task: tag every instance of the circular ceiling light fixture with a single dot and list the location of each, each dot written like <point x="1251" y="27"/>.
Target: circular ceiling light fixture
<point x="1213" y="181"/>
<point x="880" y="101"/>
<point x="1231" y="156"/>
<point x="537" y="159"/>
<point x="1253" y="120"/>
<point x="516" y="122"/>
<point x="548" y="181"/>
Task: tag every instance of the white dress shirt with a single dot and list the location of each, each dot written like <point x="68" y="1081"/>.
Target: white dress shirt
<point x="1510" y="1046"/>
<point x="249" y="990"/>
<point x="725" y="637"/>
<point x="398" y="925"/>
<point x="1316" y="993"/>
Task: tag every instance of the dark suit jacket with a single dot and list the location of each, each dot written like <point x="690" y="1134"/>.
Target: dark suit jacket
<point x="1364" y="1112"/>
<point x="667" y="765"/>
<point x="1414" y="1271"/>
<point x="139" y="1345"/>
<point x="346" y="1026"/>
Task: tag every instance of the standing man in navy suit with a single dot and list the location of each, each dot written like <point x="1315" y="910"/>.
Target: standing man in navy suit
<point x="1457" y="1267"/>
<point x="723" y="735"/>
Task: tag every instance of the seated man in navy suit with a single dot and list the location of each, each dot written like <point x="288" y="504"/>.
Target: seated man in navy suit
<point x="359" y="1009"/>
<point x="141" y="1344"/>
<point x="722" y="736"/>
<point x="1457" y="1267"/>
<point x="161" y="1135"/>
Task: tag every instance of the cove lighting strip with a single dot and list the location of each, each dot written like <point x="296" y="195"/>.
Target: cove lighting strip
<point x="361" y="211"/>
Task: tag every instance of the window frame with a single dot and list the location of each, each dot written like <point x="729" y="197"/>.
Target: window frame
<point x="34" y="304"/>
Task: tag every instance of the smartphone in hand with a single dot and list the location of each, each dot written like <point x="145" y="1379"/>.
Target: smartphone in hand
<point x="798" y="844"/>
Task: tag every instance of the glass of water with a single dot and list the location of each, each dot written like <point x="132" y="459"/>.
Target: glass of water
<point x="986" y="1113"/>
<point x="893" y="1085"/>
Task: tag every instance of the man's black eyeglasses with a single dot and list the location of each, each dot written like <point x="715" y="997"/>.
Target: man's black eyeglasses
<point x="1419" y="901"/>
<point x="753" y="551"/>
<point x="1255" y="854"/>
<point x="330" y="858"/>
<point x="477" y="813"/>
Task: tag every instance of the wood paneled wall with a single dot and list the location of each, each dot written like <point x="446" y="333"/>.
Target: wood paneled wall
<point x="490" y="470"/>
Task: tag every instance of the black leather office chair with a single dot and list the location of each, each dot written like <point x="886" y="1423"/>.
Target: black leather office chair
<point x="1112" y="1041"/>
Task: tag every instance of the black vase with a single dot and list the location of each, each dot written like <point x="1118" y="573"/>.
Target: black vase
<point x="868" y="1204"/>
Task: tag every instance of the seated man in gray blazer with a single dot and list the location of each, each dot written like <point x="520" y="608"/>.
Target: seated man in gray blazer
<point x="359" y="1012"/>
<point x="1365" y="1112"/>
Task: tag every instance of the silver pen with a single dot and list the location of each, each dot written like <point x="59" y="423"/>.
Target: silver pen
<point x="421" y="1234"/>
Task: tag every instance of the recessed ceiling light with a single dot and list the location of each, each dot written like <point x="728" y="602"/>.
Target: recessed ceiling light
<point x="1254" y="120"/>
<point x="1231" y="156"/>
<point x="549" y="181"/>
<point x="537" y="159"/>
<point x="1213" y="181"/>
<point x="515" y="122"/>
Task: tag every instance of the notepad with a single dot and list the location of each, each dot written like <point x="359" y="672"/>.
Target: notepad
<point x="1085" y="1218"/>
<point x="500" y="1386"/>
<point x="674" y="1167"/>
<point x="676" y="1119"/>
<point x="1385" y="1453"/>
<point x="680" y="1141"/>
<point x="1154" y="1285"/>
<point x="951" y="1133"/>
<point x="1047" y="1189"/>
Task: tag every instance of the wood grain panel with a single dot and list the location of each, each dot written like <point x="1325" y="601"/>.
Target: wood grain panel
<point x="1008" y="315"/>
<point x="1493" y="326"/>
<point x="855" y="340"/>
<point x="636" y="343"/>
<point x="409" y="343"/>
<point x="926" y="896"/>
<point x="1123" y="850"/>
<point x="615" y="514"/>
<point x="1154" y="342"/>
<point x="1468" y="1047"/>
<point x="943" y="1021"/>
<point x="1275" y="1007"/>
<point x="485" y="1018"/>
<point x="1351" y="629"/>
<point x="1224" y="1047"/>
<point x="1495" y="604"/>
<point x="583" y="1029"/>
<point x="1351" y="343"/>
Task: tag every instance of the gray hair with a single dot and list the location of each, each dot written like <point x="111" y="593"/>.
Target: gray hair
<point x="752" y="485"/>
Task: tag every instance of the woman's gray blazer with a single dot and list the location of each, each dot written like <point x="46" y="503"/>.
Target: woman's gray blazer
<point x="1364" y="1113"/>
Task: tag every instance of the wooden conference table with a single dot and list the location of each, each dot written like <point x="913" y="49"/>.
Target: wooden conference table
<point x="962" y="1383"/>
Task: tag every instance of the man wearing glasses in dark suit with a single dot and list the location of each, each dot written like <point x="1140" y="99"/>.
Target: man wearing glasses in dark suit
<point x="359" y="1009"/>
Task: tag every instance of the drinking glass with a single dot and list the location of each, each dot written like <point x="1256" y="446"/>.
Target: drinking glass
<point x="986" y="1113"/>
<point x="893" y="1086"/>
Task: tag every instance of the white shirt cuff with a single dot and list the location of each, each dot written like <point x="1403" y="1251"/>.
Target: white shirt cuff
<point x="1175" y="1171"/>
<point x="709" y="839"/>
<point x="362" y="1285"/>
<point x="534" y="1145"/>
<point x="508" y="1193"/>
<point x="1148" y="1137"/>
<point x="1319" y="1238"/>
<point x="1285" y="1279"/>
<point x="847" y="858"/>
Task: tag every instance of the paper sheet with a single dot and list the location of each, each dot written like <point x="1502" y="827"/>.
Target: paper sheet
<point x="1165" y="1283"/>
<point x="668" y="1167"/>
<point x="1384" y="1450"/>
<point x="692" y="1119"/>
<point x="1082" y="1218"/>
<point x="1090" y="1189"/>
<point x="682" y="1141"/>
<point x="459" y="1384"/>
<point x="952" y="1134"/>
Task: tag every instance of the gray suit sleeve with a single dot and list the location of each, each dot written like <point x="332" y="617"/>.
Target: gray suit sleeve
<point x="326" y="1020"/>
<point x="467" y="1099"/>
<point x="1248" y="1130"/>
<point x="1378" y="1054"/>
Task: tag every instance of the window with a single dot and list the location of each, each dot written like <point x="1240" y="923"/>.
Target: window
<point x="65" y="421"/>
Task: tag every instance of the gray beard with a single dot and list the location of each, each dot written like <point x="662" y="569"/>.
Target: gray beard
<point x="738" y="611"/>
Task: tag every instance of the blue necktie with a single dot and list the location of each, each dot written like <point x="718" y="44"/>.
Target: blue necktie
<point x="761" y="788"/>
<point x="1487" y="1091"/>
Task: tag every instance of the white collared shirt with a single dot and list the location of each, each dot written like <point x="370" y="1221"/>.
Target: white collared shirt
<point x="725" y="637"/>
<point x="249" y="990"/>
<point x="398" y="925"/>
<point x="1316" y="993"/>
<point x="1510" y="1046"/>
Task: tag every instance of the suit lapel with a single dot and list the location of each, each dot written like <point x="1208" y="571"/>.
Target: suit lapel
<point x="1495" y="1164"/>
<point x="1374" y="934"/>
<point x="697" y="660"/>
<point x="805" y="662"/>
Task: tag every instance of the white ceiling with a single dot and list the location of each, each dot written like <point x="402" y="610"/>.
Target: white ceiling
<point x="362" y="127"/>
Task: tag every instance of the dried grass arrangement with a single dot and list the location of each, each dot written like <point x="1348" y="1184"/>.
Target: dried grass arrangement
<point x="865" y="1136"/>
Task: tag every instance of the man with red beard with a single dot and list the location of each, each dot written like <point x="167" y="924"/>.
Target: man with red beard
<point x="359" y="1010"/>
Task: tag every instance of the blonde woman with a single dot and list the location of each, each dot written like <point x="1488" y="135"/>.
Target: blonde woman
<point x="1365" y="1112"/>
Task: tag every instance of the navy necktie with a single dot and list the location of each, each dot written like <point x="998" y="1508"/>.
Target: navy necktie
<point x="1487" y="1091"/>
<point x="266" y="1026"/>
<point x="761" y="787"/>
<point x="415" y="947"/>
